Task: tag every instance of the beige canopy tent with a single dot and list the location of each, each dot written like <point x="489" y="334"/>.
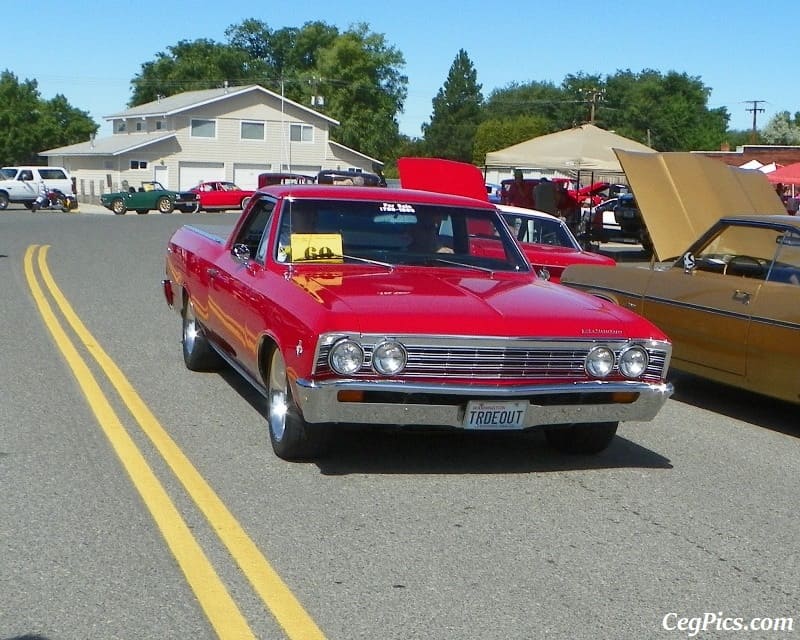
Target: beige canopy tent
<point x="584" y="148"/>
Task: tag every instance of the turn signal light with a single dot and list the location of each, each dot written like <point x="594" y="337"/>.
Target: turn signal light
<point x="350" y="396"/>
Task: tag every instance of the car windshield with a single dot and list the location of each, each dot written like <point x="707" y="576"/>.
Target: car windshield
<point x="541" y="231"/>
<point x="396" y="233"/>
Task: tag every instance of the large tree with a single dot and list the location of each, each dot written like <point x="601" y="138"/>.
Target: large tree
<point x="352" y="76"/>
<point x="667" y="111"/>
<point x="782" y="129"/>
<point x="29" y="124"/>
<point x="457" y="112"/>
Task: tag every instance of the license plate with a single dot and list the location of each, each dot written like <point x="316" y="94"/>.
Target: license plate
<point x="483" y="414"/>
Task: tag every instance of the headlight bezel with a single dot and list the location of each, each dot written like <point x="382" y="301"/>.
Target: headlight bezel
<point x="379" y="359"/>
<point x="600" y="355"/>
<point x="346" y="350"/>
<point x="624" y="362"/>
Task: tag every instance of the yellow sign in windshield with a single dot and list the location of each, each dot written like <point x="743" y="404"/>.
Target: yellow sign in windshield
<point x="319" y="247"/>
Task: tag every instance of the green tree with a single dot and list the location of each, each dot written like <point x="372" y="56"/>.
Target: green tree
<point x="29" y="124"/>
<point x="457" y="112"/>
<point x="499" y="133"/>
<point x="354" y="75"/>
<point x="193" y="65"/>
<point x="782" y="129"/>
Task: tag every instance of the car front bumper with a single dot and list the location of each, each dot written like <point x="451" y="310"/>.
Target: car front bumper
<point x="445" y="405"/>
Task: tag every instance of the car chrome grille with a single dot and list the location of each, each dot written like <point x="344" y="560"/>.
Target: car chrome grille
<point x="494" y="359"/>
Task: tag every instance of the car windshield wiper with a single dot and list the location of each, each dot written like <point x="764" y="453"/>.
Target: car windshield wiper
<point x="330" y="258"/>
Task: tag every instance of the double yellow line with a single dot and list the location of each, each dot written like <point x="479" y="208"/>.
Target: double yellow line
<point x="214" y="598"/>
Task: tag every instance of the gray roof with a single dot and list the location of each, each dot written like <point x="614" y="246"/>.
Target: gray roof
<point x="358" y="153"/>
<point x="110" y="146"/>
<point x="192" y="99"/>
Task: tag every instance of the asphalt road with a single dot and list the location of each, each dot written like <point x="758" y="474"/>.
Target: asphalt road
<point x="393" y="535"/>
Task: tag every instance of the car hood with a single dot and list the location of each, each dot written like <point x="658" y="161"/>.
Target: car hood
<point x="546" y="254"/>
<point x="680" y="195"/>
<point x="432" y="301"/>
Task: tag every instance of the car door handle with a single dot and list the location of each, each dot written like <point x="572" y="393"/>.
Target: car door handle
<point x="741" y="296"/>
<point x="212" y="273"/>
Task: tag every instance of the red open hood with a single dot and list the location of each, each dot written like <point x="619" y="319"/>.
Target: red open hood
<point x="442" y="176"/>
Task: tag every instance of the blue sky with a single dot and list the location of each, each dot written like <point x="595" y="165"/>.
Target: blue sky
<point x="742" y="50"/>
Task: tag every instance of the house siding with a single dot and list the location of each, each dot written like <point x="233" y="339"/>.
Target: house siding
<point x="97" y="174"/>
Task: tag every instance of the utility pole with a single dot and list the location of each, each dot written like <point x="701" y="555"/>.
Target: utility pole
<point x="755" y="109"/>
<point x="594" y="97"/>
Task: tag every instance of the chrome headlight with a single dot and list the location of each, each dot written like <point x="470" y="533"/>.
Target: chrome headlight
<point x="346" y="357"/>
<point x="599" y="362"/>
<point x="633" y="362"/>
<point x="389" y="358"/>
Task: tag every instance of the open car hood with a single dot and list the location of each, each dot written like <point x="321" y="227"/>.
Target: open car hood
<point x="681" y="194"/>
<point x="442" y="176"/>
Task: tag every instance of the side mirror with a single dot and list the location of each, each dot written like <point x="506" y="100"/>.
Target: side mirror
<point x="241" y="253"/>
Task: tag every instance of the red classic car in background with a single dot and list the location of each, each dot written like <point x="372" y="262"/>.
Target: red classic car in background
<point x="546" y="240"/>
<point x="217" y="195"/>
<point x="356" y="305"/>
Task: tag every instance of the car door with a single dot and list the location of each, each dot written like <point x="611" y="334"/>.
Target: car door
<point x="233" y="292"/>
<point x="704" y="302"/>
<point x="773" y="350"/>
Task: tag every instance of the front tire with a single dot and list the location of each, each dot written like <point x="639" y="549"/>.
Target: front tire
<point x="3" y="201"/>
<point x="118" y="207"/>
<point x="291" y="436"/>
<point x="582" y="438"/>
<point x="244" y="202"/>
<point x="198" y="354"/>
<point x="164" y="205"/>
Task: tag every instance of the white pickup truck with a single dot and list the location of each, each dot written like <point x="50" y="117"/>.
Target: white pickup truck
<point x="21" y="184"/>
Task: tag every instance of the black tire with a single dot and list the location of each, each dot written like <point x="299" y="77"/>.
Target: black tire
<point x="198" y="355"/>
<point x="118" y="206"/>
<point x="582" y="438"/>
<point x="244" y="202"/>
<point x="3" y="201"/>
<point x="291" y="436"/>
<point x="164" y="205"/>
<point x="60" y="203"/>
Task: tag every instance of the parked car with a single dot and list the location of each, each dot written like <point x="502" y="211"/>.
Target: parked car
<point x="547" y="242"/>
<point x="218" y="195"/>
<point x="730" y="300"/>
<point x="22" y="184"/>
<point x="151" y="195"/>
<point x="268" y="179"/>
<point x="364" y="306"/>
<point x="493" y="192"/>
<point x="358" y="178"/>
<point x="619" y="220"/>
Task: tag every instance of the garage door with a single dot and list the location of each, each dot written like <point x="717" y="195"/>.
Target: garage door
<point x="190" y="173"/>
<point x="246" y="175"/>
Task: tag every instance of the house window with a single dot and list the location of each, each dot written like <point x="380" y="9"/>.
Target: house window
<point x="204" y="129"/>
<point x="301" y="133"/>
<point x="138" y="164"/>
<point x="121" y="126"/>
<point x="138" y="126"/>
<point x="252" y="131"/>
<point x="158" y="124"/>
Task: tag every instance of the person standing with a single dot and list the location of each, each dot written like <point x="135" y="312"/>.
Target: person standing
<point x="519" y="192"/>
<point x="545" y="197"/>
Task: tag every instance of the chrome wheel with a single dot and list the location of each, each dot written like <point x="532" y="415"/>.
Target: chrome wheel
<point x="198" y="354"/>
<point x="278" y="392"/>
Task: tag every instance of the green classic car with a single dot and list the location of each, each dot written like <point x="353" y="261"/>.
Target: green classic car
<point x="150" y="195"/>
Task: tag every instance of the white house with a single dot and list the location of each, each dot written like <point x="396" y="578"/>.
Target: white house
<point x="231" y="133"/>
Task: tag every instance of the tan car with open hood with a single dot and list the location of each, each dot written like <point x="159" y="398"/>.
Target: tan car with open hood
<point x="724" y="283"/>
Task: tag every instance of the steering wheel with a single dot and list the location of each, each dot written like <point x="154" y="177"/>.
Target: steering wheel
<point x="756" y="265"/>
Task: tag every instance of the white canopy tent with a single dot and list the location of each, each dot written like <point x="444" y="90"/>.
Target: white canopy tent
<point x="581" y="149"/>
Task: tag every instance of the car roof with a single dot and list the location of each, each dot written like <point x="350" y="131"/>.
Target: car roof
<point x="523" y="211"/>
<point x="331" y="192"/>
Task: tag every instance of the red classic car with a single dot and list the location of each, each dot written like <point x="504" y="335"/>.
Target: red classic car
<point x="356" y="305"/>
<point x="217" y="195"/>
<point x="546" y="240"/>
